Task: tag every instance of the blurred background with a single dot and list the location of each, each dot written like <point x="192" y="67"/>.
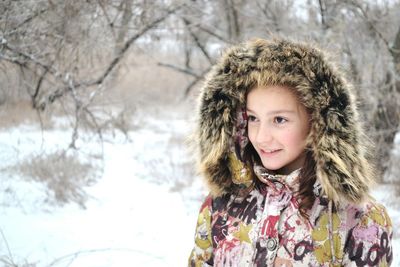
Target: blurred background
<point x="98" y="100"/>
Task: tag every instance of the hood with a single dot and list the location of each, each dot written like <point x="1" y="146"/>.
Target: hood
<point x="335" y="137"/>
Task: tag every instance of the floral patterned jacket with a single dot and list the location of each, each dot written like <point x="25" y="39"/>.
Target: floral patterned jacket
<point x="265" y="228"/>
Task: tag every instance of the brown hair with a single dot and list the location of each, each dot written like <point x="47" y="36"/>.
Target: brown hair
<point x="307" y="180"/>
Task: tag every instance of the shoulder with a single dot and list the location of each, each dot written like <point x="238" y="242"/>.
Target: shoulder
<point x="367" y="219"/>
<point x="367" y="214"/>
<point x="241" y="206"/>
<point x="370" y="217"/>
<point x="369" y="239"/>
<point x="212" y="204"/>
<point x="207" y="203"/>
<point x="375" y="214"/>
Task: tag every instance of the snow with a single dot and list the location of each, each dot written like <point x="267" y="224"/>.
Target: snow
<point x="127" y="221"/>
<point x="141" y="211"/>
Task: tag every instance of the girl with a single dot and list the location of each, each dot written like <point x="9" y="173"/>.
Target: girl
<point x="282" y="150"/>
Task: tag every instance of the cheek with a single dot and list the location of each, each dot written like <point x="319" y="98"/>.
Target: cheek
<point x="294" y="139"/>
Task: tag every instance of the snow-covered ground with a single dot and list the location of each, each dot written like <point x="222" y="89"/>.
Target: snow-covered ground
<point x="129" y="220"/>
<point x="141" y="211"/>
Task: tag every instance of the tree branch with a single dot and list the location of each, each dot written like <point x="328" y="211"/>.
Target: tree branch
<point x="30" y="18"/>
<point x="195" y="81"/>
<point x="395" y="51"/>
<point x="131" y="40"/>
<point x="371" y="24"/>
<point x="110" y="24"/>
<point x="197" y="41"/>
<point x="38" y="85"/>
<point x="29" y="58"/>
<point x="60" y="91"/>
<point x="210" y="32"/>
<point x="185" y="71"/>
<point x="7" y="246"/>
<point x="322" y="8"/>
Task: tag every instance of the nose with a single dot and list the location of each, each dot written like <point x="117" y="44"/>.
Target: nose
<point x="264" y="134"/>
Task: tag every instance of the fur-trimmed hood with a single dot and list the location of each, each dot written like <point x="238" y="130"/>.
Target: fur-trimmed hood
<point x="335" y="137"/>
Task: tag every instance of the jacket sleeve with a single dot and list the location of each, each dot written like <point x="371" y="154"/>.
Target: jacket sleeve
<point x="201" y="255"/>
<point x="369" y="243"/>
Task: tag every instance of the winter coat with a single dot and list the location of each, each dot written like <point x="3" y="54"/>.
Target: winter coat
<point x="252" y="217"/>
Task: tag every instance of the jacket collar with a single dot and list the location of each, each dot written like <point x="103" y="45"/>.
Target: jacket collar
<point x="278" y="181"/>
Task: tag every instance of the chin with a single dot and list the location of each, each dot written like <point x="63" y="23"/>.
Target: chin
<point x="272" y="167"/>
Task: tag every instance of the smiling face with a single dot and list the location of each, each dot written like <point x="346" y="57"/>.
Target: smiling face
<point x="278" y="125"/>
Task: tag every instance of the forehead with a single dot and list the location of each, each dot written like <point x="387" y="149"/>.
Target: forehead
<point x="272" y="97"/>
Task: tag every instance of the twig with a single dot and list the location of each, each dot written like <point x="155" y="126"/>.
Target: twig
<point x="395" y="50"/>
<point x="370" y="23"/>
<point x="195" y="81"/>
<point x="179" y="69"/>
<point x="110" y="24"/>
<point x="30" y="58"/>
<point x="131" y="40"/>
<point x="30" y="18"/>
<point x="212" y="33"/>
<point x="197" y="41"/>
<point x="37" y="88"/>
<point x="322" y="8"/>
<point x="78" y="108"/>
<point x="7" y="246"/>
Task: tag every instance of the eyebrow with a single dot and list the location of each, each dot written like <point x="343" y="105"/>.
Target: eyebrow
<point x="275" y="111"/>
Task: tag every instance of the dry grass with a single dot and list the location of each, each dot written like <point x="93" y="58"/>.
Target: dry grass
<point x="138" y="83"/>
<point x="64" y="176"/>
<point x="21" y="112"/>
<point x="12" y="114"/>
<point x="174" y="168"/>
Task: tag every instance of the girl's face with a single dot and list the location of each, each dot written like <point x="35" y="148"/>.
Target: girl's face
<point x="278" y="125"/>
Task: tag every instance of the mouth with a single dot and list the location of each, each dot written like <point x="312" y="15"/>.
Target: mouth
<point x="269" y="152"/>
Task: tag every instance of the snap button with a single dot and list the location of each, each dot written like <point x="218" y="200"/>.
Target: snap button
<point x="272" y="244"/>
<point x="224" y="218"/>
<point x="263" y="242"/>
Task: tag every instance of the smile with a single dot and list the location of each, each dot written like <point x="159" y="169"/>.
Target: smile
<point x="269" y="151"/>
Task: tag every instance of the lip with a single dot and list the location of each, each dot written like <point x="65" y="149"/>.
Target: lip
<point x="269" y="152"/>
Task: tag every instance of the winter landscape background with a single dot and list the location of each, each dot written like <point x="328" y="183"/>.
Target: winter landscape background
<point x="97" y="106"/>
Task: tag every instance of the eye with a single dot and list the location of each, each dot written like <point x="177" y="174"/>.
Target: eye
<point x="251" y="118"/>
<point x="280" y="120"/>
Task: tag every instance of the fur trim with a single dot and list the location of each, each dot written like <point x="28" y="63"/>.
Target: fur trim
<point x="335" y="136"/>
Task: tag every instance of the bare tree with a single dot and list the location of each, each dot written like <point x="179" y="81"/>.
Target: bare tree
<point x="383" y="30"/>
<point x="57" y="47"/>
